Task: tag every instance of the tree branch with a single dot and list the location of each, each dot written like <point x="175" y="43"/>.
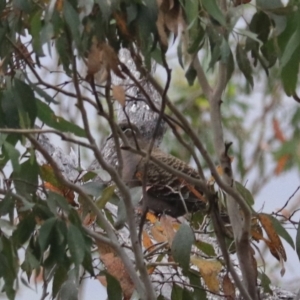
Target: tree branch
<point x="114" y="240"/>
<point x="240" y="221"/>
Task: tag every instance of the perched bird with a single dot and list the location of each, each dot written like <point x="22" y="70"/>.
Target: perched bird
<point x="165" y="192"/>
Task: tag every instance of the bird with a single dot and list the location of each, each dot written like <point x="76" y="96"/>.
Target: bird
<point x="166" y="193"/>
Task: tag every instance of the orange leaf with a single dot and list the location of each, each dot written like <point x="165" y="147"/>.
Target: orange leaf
<point x="147" y="243"/>
<point x="151" y="217"/>
<point x="151" y="270"/>
<point x="228" y="288"/>
<point x="157" y="235"/>
<point x="281" y="163"/>
<point x="256" y="231"/>
<point x="274" y="244"/>
<point x="122" y="23"/>
<point x="116" y="268"/>
<point x="119" y="94"/>
<point x="59" y="5"/>
<point x="209" y="270"/>
<point x="277" y="131"/>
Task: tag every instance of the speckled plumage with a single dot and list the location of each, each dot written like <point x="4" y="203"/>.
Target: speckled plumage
<point x="165" y="192"/>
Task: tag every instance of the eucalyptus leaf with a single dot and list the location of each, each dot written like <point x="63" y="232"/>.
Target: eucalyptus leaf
<point x="282" y="231"/>
<point x="297" y="242"/>
<point x="182" y="245"/>
<point x="114" y="291"/>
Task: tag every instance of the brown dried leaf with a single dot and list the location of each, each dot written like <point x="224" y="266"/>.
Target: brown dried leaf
<point x="59" y="5"/>
<point x="116" y="268"/>
<point x="121" y="22"/>
<point x="102" y="280"/>
<point x="167" y="225"/>
<point x="151" y="270"/>
<point x="277" y="131"/>
<point x="170" y="19"/>
<point x="147" y="243"/>
<point x="274" y="244"/>
<point x="111" y="59"/>
<point x="89" y="219"/>
<point x="228" y="288"/>
<point x="95" y="60"/>
<point x="151" y="217"/>
<point x="119" y="94"/>
<point x="281" y="163"/>
<point x="157" y="235"/>
<point x="209" y="270"/>
<point x="256" y="231"/>
<point x="101" y="59"/>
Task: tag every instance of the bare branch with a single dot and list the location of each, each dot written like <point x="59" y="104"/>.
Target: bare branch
<point x="202" y="79"/>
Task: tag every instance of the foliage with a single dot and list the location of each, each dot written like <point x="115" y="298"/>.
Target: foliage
<point x="47" y="208"/>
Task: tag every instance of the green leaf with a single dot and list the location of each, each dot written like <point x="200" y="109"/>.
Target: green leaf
<point x="7" y="205"/>
<point x="187" y="294"/>
<point x="215" y="54"/>
<point x="42" y="93"/>
<point x="35" y="30"/>
<point x="69" y="291"/>
<point x="206" y="248"/>
<point x="9" y="109"/>
<point x="26" y="99"/>
<point x="2" y="5"/>
<point x="245" y="193"/>
<point x="282" y="231"/>
<point x="107" y="194"/>
<point x="196" y="32"/>
<point x="9" y="266"/>
<point x="199" y="291"/>
<point x="59" y="278"/>
<point x="182" y="245"/>
<point x="93" y="188"/>
<point x="244" y="64"/>
<point x="26" y="180"/>
<point x="45" y="233"/>
<point x="196" y="42"/>
<point x="55" y="201"/>
<point x="224" y="51"/>
<point x="24" y="230"/>
<point x="136" y="196"/>
<point x="177" y="292"/>
<point x="191" y="75"/>
<point x="47" y="115"/>
<point x="73" y="21"/>
<point x="265" y="283"/>
<point x="213" y="9"/>
<point x="105" y="8"/>
<point x="289" y="73"/>
<point x="269" y="4"/>
<point x="230" y="66"/>
<point x="291" y="47"/>
<point x="24" y="5"/>
<point x="30" y="263"/>
<point x="114" y="291"/>
<point x="76" y="244"/>
<point x="14" y="155"/>
<point x="298" y="241"/>
<point x="64" y="52"/>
